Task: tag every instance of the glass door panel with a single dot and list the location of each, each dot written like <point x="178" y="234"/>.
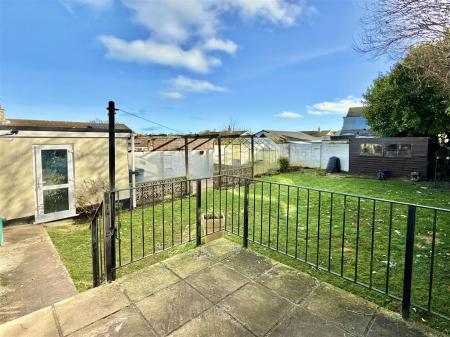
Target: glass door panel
<point x="54" y="182"/>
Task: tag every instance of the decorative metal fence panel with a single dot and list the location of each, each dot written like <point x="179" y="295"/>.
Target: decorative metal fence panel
<point x="241" y="171"/>
<point x="157" y="189"/>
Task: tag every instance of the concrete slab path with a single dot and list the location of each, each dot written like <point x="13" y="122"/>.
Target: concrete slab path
<point x="219" y="290"/>
<point x="32" y="275"/>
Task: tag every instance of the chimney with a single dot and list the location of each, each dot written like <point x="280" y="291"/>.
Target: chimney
<point x="318" y="129"/>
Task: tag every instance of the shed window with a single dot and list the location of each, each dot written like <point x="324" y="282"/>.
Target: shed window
<point x="371" y="150"/>
<point x="391" y="150"/>
<point x="398" y="150"/>
<point x="404" y="150"/>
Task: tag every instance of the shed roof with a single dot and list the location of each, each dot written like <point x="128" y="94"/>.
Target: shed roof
<point x="47" y="125"/>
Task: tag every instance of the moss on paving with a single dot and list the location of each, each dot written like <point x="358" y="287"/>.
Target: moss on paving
<point x="173" y="222"/>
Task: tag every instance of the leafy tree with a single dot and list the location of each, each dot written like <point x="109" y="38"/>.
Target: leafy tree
<point x="399" y="105"/>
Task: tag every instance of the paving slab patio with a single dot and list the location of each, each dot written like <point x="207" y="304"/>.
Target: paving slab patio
<point x="32" y="275"/>
<point x="219" y="290"/>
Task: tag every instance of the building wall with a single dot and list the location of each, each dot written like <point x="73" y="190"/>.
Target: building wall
<point x="397" y="167"/>
<point x="17" y="176"/>
<point x="169" y="164"/>
<point x="356" y="125"/>
<point x="316" y="155"/>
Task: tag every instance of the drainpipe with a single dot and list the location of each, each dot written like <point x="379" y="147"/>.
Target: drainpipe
<point x="133" y="170"/>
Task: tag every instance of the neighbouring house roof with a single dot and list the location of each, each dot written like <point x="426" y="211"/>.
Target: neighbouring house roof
<point x="287" y="136"/>
<point x="355" y="111"/>
<point x="320" y="133"/>
<point x="46" y="125"/>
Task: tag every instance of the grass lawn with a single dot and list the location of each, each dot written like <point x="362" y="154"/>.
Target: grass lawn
<point x="288" y="219"/>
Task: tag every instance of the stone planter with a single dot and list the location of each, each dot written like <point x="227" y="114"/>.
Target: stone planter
<point x="213" y="226"/>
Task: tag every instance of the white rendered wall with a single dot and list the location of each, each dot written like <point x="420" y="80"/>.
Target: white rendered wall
<point x="169" y="164"/>
<point x="316" y="155"/>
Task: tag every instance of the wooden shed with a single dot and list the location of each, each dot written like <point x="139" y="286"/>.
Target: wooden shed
<point x="398" y="156"/>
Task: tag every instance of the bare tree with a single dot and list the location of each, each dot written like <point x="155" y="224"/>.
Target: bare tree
<point x="231" y="125"/>
<point x="391" y="27"/>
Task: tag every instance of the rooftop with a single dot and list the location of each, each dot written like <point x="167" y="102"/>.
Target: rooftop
<point x="355" y="111"/>
<point x="46" y="125"/>
<point x="218" y="289"/>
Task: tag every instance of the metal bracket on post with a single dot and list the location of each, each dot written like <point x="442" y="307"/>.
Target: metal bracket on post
<point x="110" y="242"/>
<point x="246" y="190"/>
<point x="198" y="227"/>
<point x="409" y="254"/>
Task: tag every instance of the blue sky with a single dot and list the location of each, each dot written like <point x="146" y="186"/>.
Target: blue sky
<point x="191" y="65"/>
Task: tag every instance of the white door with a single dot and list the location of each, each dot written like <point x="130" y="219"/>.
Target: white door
<point x="54" y="182"/>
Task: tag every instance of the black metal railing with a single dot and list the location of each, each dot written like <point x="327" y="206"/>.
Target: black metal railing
<point x="396" y="249"/>
<point x="393" y="248"/>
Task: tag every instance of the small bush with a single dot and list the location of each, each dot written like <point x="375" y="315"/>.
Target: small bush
<point x="284" y="164"/>
<point x="89" y="195"/>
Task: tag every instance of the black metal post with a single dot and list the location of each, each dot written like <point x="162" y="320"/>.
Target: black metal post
<point x="253" y="155"/>
<point x="409" y="254"/>
<point x="219" y="143"/>
<point x="109" y="201"/>
<point x="112" y="144"/>
<point x="186" y="158"/>
<point x="95" y="259"/>
<point x="198" y="229"/>
<point x="245" y="239"/>
<point x="110" y="247"/>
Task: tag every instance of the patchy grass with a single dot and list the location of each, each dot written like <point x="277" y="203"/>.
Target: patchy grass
<point x="287" y="219"/>
<point x="73" y="243"/>
<point x="400" y="190"/>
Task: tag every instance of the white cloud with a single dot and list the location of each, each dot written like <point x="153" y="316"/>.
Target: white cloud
<point x="339" y="107"/>
<point x="96" y="4"/>
<point x="149" y="51"/>
<point x="175" y="20"/>
<point x="183" y="32"/>
<point x="175" y="95"/>
<point x="289" y="115"/>
<point x="275" y="11"/>
<point x="226" y="46"/>
<point x="185" y="84"/>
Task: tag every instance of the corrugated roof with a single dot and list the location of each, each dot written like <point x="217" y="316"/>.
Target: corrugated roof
<point x="288" y="135"/>
<point x="46" y="125"/>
